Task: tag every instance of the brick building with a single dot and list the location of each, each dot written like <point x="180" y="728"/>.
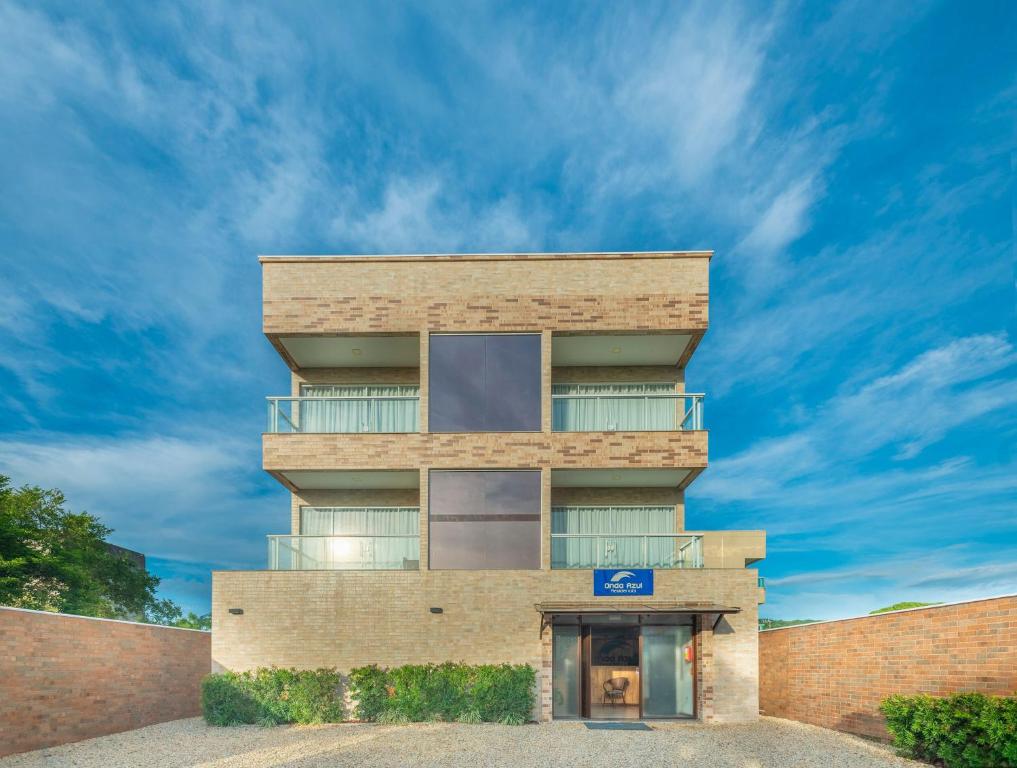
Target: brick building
<point x="488" y="457"/>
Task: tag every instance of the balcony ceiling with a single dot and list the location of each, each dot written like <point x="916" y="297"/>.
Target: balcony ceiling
<point x="353" y="351"/>
<point x="621" y="349"/>
<point x="618" y="478"/>
<point x="328" y="480"/>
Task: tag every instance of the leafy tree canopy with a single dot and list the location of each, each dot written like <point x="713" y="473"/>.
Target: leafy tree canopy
<point x="900" y="607"/>
<point x="55" y="560"/>
<point x="775" y="623"/>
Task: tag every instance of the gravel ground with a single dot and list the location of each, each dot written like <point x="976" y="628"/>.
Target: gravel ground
<point x="770" y="743"/>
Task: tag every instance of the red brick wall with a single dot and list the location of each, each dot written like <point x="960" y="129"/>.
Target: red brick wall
<point x="835" y="674"/>
<point x="67" y="678"/>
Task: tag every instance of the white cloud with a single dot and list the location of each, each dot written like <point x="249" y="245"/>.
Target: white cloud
<point x="185" y="500"/>
<point x="938" y="391"/>
<point x="422" y="215"/>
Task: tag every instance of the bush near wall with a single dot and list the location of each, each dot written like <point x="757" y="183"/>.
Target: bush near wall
<point x="967" y="730"/>
<point x="495" y="693"/>
<point x="272" y="696"/>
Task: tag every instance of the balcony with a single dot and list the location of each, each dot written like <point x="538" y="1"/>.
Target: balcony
<point x="594" y="550"/>
<point x="344" y="553"/>
<point x="626" y="412"/>
<point x="344" y="414"/>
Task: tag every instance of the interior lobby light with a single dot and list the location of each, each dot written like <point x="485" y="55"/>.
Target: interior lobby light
<point x="356" y="352"/>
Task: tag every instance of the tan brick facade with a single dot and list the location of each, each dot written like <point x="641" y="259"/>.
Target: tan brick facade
<point x="346" y="619"/>
<point x="67" y="678"/>
<point x="561" y="450"/>
<point x="835" y="673"/>
<point x="539" y="292"/>
<point x="350" y="618"/>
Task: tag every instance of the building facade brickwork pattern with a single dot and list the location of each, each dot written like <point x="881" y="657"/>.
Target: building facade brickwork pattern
<point x="67" y="678"/>
<point x="835" y="674"/>
<point x="351" y="618"/>
<point x="348" y="619"/>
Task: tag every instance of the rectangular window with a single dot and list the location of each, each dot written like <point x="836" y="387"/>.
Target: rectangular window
<point x="484" y="519"/>
<point x="356" y="538"/>
<point x="618" y="537"/>
<point x="619" y="406"/>
<point x="484" y="383"/>
<point x="359" y="408"/>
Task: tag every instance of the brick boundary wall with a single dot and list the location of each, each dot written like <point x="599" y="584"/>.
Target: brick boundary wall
<point x="66" y="678"/>
<point x="835" y="673"/>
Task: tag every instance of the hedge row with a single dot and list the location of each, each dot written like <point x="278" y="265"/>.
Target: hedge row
<point x="273" y="696"/>
<point x="501" y="693"/>
<point x="452" y="692"/>
<point x="967" y="730"/>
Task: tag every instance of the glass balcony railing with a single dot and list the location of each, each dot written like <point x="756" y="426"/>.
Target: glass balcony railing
<point x="655" y="550"/>
<point x="626" y="412"/>
<point x="344" y="414"/>
<point x="344" y="553"/>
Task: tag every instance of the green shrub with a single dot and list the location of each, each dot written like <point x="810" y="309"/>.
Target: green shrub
<point x="271" y="696"/>
<point x="225" y="701"/>
<point x="450" y="692"/>
<point x="368" y="686"/>
<point x="967" y="730"/>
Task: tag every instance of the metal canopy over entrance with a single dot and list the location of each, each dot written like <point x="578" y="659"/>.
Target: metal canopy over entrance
<point x="628" y="612"/>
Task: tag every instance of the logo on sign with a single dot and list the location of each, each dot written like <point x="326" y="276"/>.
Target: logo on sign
<point x="637" y="581"/>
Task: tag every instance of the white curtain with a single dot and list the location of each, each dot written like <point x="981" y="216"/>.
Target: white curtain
<point x="360" y="538"/>
<point x="365" y="413"/>
<point x="618" y="540"/>
<point x="586" y="414"/>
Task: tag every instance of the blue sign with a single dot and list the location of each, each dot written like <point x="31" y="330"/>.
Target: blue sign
<point x="622" y="581"/>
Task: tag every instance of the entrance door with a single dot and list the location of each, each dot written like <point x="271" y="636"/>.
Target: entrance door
<point x="622" y="671"/>
<point x="613" y="672"/>
<point x="667" y="671"/>
<point x="566" y="671"/>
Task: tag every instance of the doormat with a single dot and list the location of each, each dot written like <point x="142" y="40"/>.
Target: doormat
<point x="618" y="726"/>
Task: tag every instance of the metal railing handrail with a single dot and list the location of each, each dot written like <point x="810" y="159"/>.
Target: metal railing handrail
<point x="612" y="395"/>
<point x="292" y="398"/>
<point x="688" y="550"/>
<point x="343" y="536"/>
<point x="627" y="535"/>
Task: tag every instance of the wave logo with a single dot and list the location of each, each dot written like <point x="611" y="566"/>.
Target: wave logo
<point x="635" y="581"/>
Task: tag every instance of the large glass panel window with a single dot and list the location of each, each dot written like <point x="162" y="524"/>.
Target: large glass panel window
<point x="618" y="406"/>
<point x="484" y="519"/>
<point x="359" y="408"/>
<point x="566" y="667"/>
<point x="359" y="538"/>
<point x="667" y="671"/>
<point x="614" y="537"/>
<point x="484" y="383"/>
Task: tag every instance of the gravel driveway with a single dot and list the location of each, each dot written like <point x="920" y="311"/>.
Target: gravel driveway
<point x="770" y="743"/>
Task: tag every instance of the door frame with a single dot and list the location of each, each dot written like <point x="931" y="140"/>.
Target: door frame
<point x="584" y="660"/>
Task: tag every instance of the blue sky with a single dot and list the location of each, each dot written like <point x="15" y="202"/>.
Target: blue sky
<point x="851" y="166"/>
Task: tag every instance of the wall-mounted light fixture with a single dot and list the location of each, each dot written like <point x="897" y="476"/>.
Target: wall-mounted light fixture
<point x="237" y="611"/>
<point x="356" y="352"/>
<point x="437" y="610"/>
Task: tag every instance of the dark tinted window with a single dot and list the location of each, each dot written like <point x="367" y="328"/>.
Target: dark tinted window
<point x="484" y="383"/>
<point x="484" y="520"/>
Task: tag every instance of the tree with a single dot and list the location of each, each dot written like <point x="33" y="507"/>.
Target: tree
<point x="55" y="560"/>
<point x="900" y="607"/>
<point x="194" y="621"/>
<point x="777" y="623"/>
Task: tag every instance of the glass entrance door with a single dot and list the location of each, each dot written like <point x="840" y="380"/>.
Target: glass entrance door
<point x="566" y="670"/>
<point x="614" y="673"/>
<point x="667" y="671"/>
<point x="622" y="671"/>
